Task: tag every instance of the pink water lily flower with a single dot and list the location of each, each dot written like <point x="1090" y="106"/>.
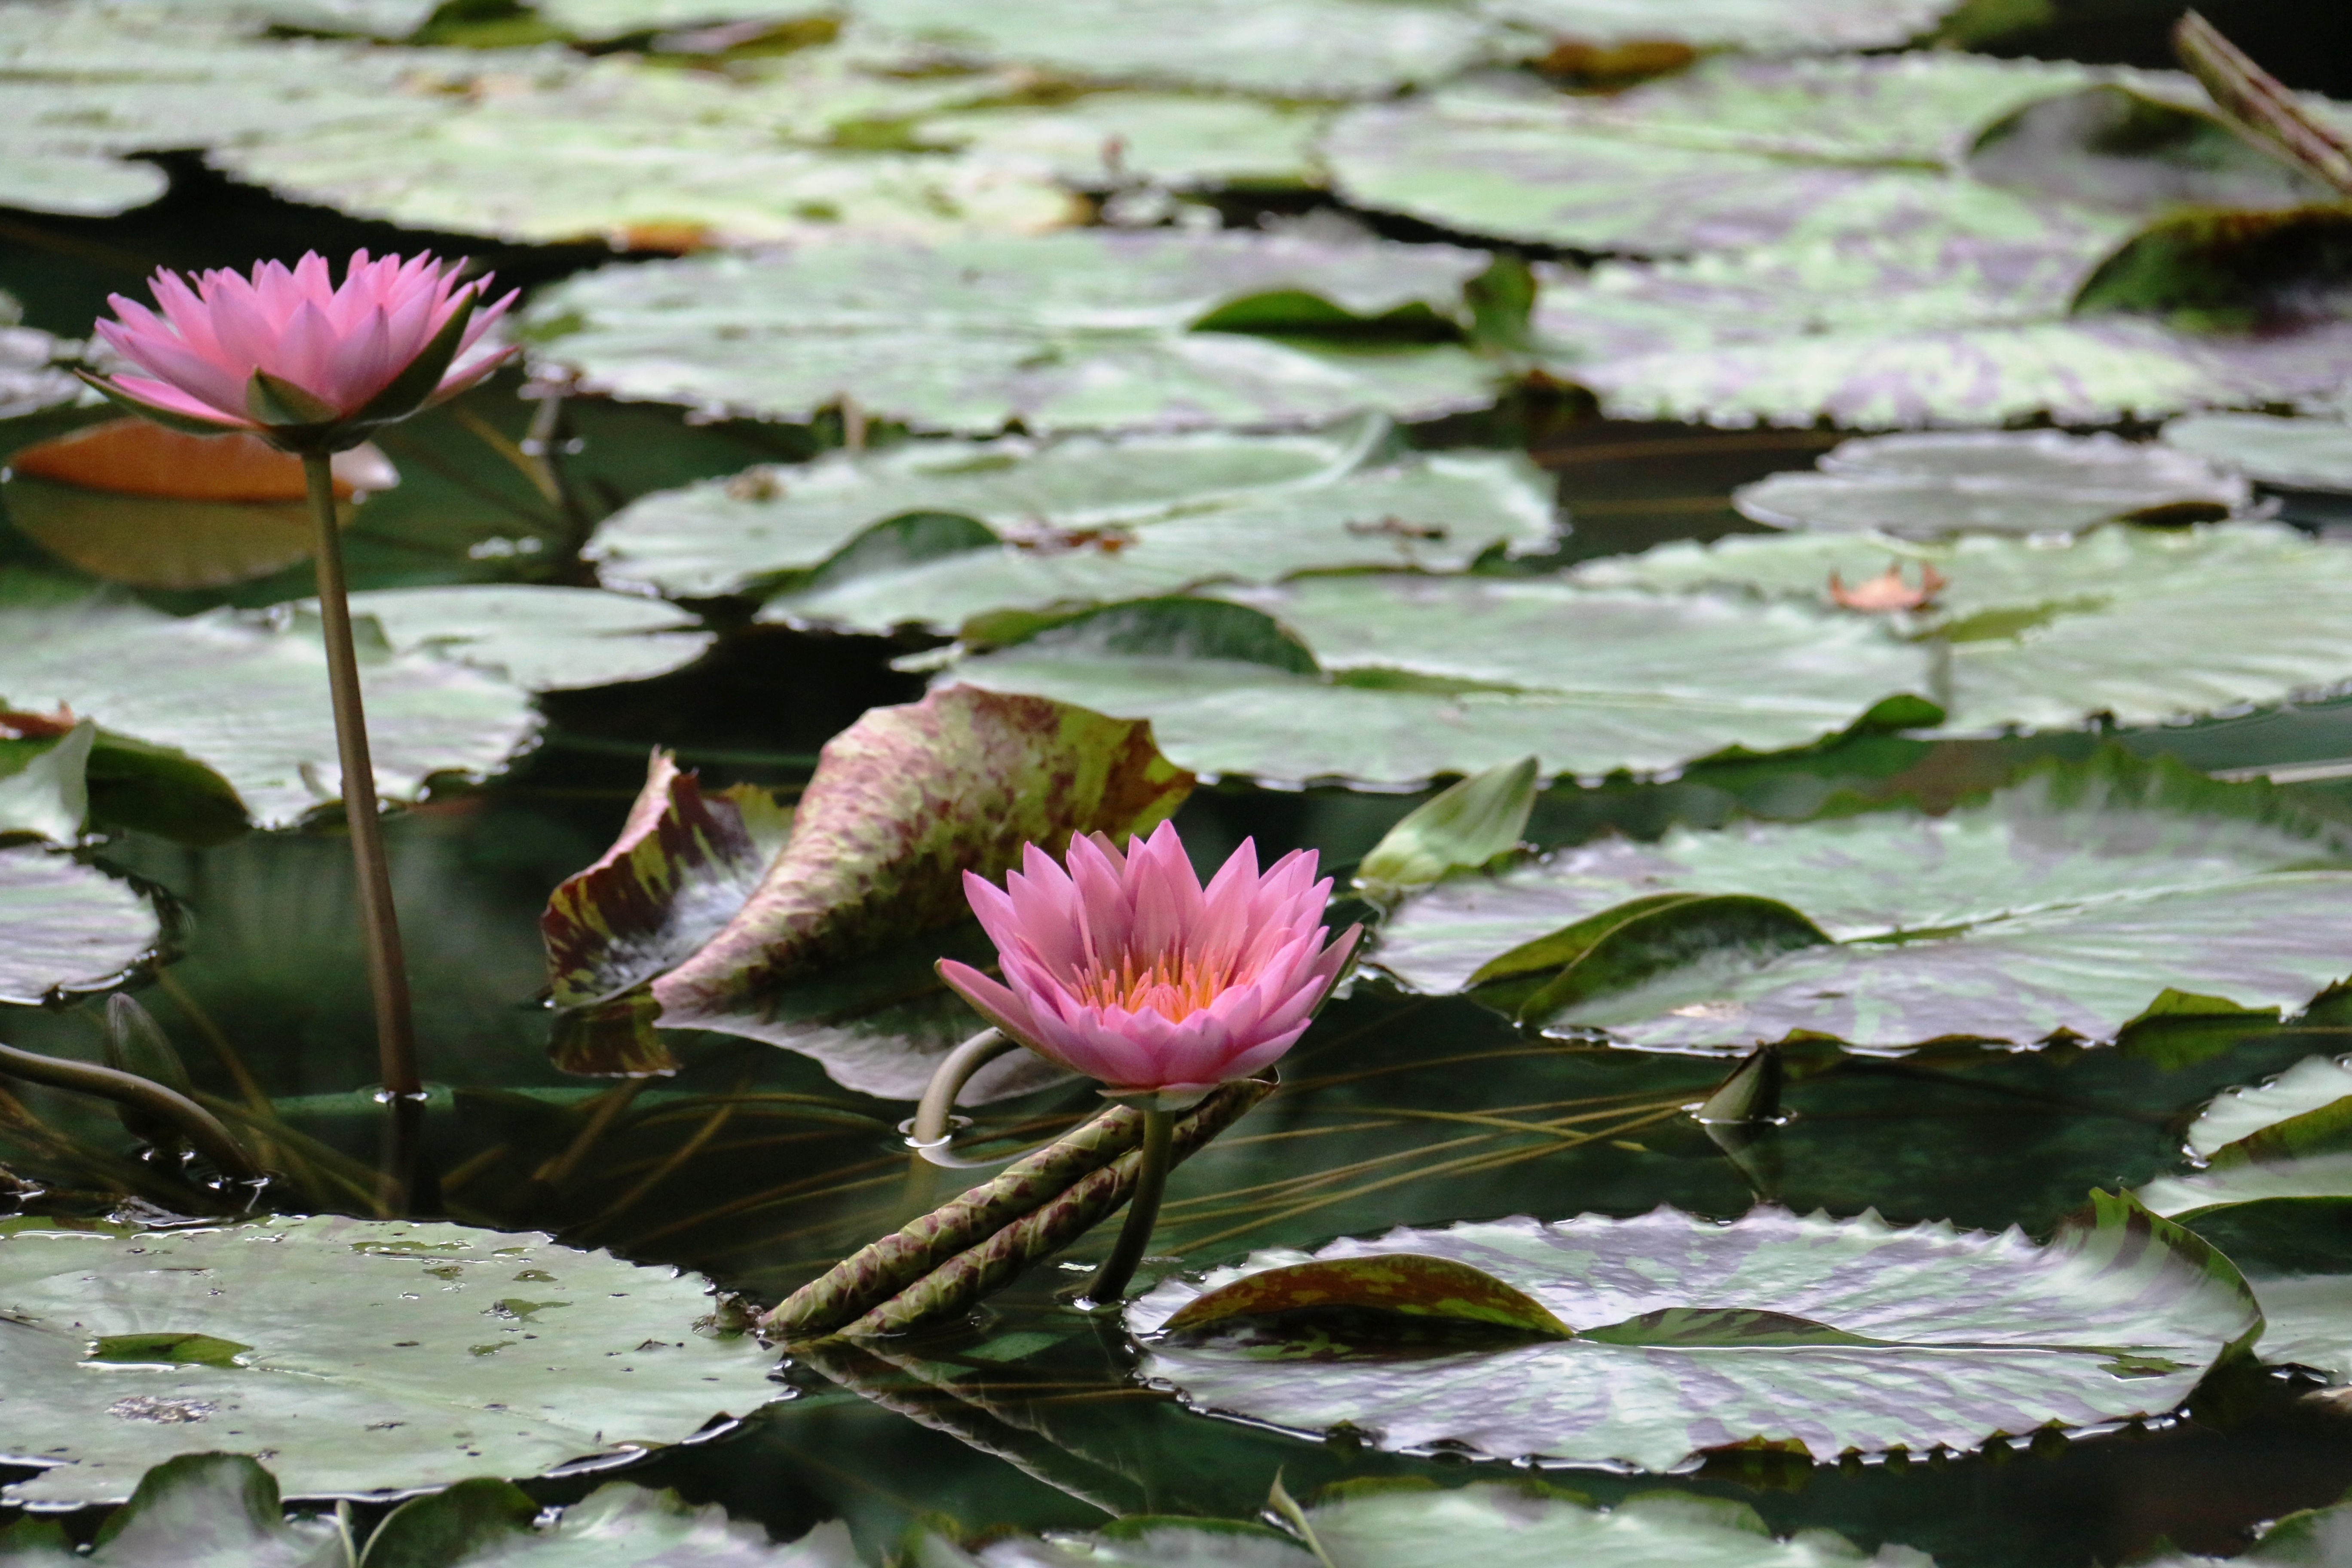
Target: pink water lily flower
<point x="1125" y="969"/>
<point x="305" y="364"/>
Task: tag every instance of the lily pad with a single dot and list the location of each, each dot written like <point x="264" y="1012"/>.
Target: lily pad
<point x="2108" y="146"/>
<point x="247" y="696"/>
<point x="2070" y="903"/>
<point x="45" y="792"/>
<point x="1091" y="330"/>
<point x="1389" y="681"/>
<point x="1464" y="827"/>
<point x="384" y="1355"/>
<point x="2144" y="624"/>
<point x="2236" y="1114"/>
<point x="1283" y="48"/>
<point x="2027" y="481"/>
<point x="1951" y="1338"/>
<point x="870" y="542"/>
<point x="657" y="158"/>
<point x="1400" y="1524"/>
<point x="541" y="639"/>
<point x="1756" y="26"/>
<point x="66" y="927"/>
<point x="1734" y="153"/>
<point x="30" y="379"/>
<point x="2298" y="454"/>
<point x="1108" y="139"/>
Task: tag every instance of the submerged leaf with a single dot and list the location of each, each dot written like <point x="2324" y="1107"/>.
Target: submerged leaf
<point x="380" y="1355"/>
<point x="903" y="802"/>
<point x="1837" y="1335"/>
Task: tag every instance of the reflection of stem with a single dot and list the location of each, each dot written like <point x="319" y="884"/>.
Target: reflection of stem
<point x="199" y="1126"/>
<point x="395" y="1033"/>
<point x="1142" y="1210"/>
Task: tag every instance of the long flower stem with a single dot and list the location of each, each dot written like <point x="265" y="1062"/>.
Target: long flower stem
<point x="395" y="1034"/>
<point x="1110" y="1283"/>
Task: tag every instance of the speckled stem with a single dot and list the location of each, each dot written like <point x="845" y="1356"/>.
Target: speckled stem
<point x="875" y="1273"/>
<point x="978" y="1270"/>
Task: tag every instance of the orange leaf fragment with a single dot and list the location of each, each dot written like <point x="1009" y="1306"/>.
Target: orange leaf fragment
<point x="1888" y="591"/>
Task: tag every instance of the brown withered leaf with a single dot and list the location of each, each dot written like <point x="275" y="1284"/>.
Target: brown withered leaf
<point x="1888" y="591"/>
<point x="903" y="802"/>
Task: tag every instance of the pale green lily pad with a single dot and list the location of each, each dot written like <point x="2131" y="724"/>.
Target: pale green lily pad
<point x="1283" y="48"/>
<point x="1410" y="677"/>
<point x="29" y="378"/>
<point x="1757" y="27"/>
<point x="1938" y="1337"/>
<point x="1399" y="1524"/>
<point x="49" y="794"/>
<point x="247" y="696"/>
<point x="2237" y="1113"/>
<point x="1107" y="140"/>
<point x="382" y="1354"/>
<point x="622" y="19"/>
<point x="2068" y="903"/>
<point x="67" y="928"/>
<point x="2325" y="1177"/>
<point x="2145" y="624"/>
<point x="540" y="638"/>
<point x="1735" y="154"/>
<point x="657" y="157"/>
<point x="200" y="1511"/>
<point x="2026" y="481"/>
<point x="1061" y="331"/>
<point x="933" y="534"/>
<point x="2300" y="454"/>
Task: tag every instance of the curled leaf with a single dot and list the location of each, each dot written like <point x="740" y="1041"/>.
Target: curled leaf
<point x="1461" y="828"/>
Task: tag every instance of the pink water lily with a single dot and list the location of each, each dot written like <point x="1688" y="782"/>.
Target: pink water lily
<point x="1122" y="967"/>
<point x="291" y="356"/>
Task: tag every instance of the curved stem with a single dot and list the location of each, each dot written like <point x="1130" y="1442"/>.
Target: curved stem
<point x="1110" y="1283"/>
<point x="387" y="975"/>
<point x="932" y="1128"/>
<point x="199" y="1126"/>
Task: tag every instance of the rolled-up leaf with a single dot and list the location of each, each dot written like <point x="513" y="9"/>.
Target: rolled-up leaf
<point x="978" y="1270"/>
<point x="875" y="1273"/>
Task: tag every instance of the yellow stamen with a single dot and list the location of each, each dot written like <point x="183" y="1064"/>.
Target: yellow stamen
<point x="1174" y="986"/>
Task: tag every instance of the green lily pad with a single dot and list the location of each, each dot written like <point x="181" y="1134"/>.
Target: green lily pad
<point x="1952" y="1338"/>
<point x="1462" y="827"/>
<point x="2026" y="481"/>
<point x="2300" y="454"/>
<point x="1062" y="331"/>
<point x="384" y="1354"/>
<point x="1412" y="1524"/>
<point x="2069" y="903"/>
<point x="29" y="378"/>
<point x="2236" y="1114"/>
<point x="1736" y="153"/>
<point x="2108" y="146"/>
<point x="660" y="158"/>
<point x="1107" y="140"/>
<point x="247" y="695"/>
<point x="48" y="793"/>
<point x="540" y="638"/>
<point x="1389" y="681"/>
<point x="1757" y="27"/>
<point x="1283" y="48"/>
<point x="67" y="928"/>
<point x="933" y="534"/>
<point x="2145" y="624"/>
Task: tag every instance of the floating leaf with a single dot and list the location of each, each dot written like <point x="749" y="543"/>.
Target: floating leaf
<point x="1061" y="331"/>
<point x="934" y="533"/>
<point x="2300" y="454"/>
<point x="1757" y="27"/>
<point x="1105" y="140"/>
<point x="1408" y="1523"/>
<point x="1405" y="1285"/>
<point x="1282" y="48"/>
<point x="541" y="639"/>
<point x="384" y="1354"/>
<point x="49" y="794"/>
<point x="247" y="696"/>
<point x="903" y="802"/>
<point x="65" y="927"/>
<point x="2027" y="481"/>
<point x="30" y="378"/>
<point x="1464" y="826"/>
<point x="1941" y="1337"/>
<point x="2064" y="903"/>
<point x="660" y="159"/>
<point x="1659" y="937"/>
<point x="131" y="501"/>
<point x="1411" y="677"/>
<point x="2107" y="147"/>
<point x="1736" y="153"/>
<point x="2144" y="624"/>
<point x="2236" y="1114"/>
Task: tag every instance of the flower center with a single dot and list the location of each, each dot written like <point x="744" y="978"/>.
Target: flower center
<point x="1175" y="985"/>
